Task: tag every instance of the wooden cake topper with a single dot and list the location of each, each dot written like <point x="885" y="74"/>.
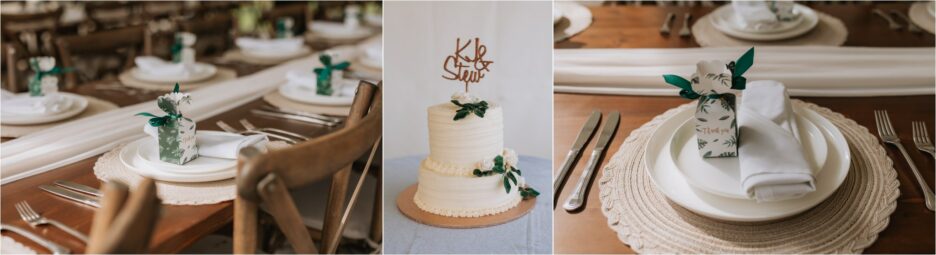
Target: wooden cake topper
<point x="467" y="63"/>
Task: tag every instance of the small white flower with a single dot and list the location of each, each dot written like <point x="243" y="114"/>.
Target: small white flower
<point x="486" y="164"/>
<point x="465" y="98"/>
<point x="521" y="182"/>
<point x="510" y="156"/>
<point x="45" y="63"/>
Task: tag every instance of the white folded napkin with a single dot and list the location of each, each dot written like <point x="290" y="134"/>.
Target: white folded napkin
<point x="773" y="167"/>
<point x="40" y="106"/>
<point x="760" y="15"/>
<point x="269" y="45"/>
<point x="217" y="145"/>
<point x="157" y="66"/>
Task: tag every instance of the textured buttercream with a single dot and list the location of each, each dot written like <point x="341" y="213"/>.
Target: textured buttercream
<point x="463" y="196"/>
<point x="460" y="145"/>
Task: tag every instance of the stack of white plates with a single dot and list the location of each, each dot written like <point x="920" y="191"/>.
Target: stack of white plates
<point x="301" y="88"/>
<point x="726" y="20"/>
<point x="142" y="157"/>
<point x="712" y="187"/>
<point x="338" y="30"/>
<point x="292" y="47"/>
<point x="199" y="72"/>
<point x="75" y="105"/>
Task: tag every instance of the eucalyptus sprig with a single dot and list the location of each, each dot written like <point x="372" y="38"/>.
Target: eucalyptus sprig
<point x="468" y="108"/>
<point x="510" y="175"/>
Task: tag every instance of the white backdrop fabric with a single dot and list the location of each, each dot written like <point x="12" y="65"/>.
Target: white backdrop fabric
<point x="419" y="35"/>
<point x="806" y="71"/>
<point x="65" y="144"/>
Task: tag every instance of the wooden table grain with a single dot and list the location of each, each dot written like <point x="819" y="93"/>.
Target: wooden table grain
<point x="178" y="226"/>
<point x="911" y="227"/>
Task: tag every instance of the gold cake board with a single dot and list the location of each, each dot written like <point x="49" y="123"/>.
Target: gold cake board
<point x="408" y="207"/>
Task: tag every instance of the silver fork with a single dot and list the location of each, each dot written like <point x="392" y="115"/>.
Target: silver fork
<point x="684" y="31"/>
<point x="887" y="134"/>
<point x="921" y="138"/>
<point x="665" y="29"/>
<point x="34" y="219"/>
<point x="230" y="129"/>
<point x="251" y="127"/>
<point x="910" y="26"/>
<point x="890" y="22"/>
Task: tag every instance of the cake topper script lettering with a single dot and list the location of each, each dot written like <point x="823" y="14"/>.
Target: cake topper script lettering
<point x="467" y="63"/>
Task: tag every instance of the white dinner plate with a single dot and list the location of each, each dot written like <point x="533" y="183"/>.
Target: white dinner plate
<point x="202" y="71"/>
<point x="148" y="152"/>
<point x="728" y="17"/>
<point x="306" y="94"/>
<point x="137" y="164"/>
<point x="668" y="179"/>
<point x="722" y="176"/>
<point x="723" y="20"/>
<point x="78" y="105"/>
<point x="276" y="54"/>
<point x="338" y="30"/>
<point x="374" y="19"/>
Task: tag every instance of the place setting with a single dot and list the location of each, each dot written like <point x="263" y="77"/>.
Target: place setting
<point x="746" y="23"/>
<point x="326" y="90"/>
<point x="43" y="105"/>
<point x="350" y="30"/>
<point x="156" y="74"/>
<point x="744" y="153"/>
<point x="270" y="45"/>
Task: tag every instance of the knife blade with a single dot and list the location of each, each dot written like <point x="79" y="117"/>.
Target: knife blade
<point x="587" y="130"/>
<point x="78" y="187"/>
<point x="576" y="199"/>
<point x="72" y="195"/>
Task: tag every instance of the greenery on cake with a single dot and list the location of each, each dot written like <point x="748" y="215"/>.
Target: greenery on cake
<point x="468" y="105"/>
<point x="510" y="174"/>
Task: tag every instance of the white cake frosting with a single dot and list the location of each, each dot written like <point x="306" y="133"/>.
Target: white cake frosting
<point x="447" y="185"/>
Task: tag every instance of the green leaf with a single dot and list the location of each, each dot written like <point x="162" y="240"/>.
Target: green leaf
<point x="456" y="103"/>
<point x="499" y="160"/>
<point x="724" y="117"/>
<point x="460" y="115"/>
<point x="477" y="172"/>
<point x="702" y="120"/>
<point x="516" y="170"/>
<point x="506" y="185"/>
<point x="512" y="177"/>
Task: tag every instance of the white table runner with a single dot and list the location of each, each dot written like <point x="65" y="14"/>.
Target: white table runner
<point x="807" y="71"/>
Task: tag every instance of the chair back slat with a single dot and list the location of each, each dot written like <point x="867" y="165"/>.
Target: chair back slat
<point x="135" y="40"/>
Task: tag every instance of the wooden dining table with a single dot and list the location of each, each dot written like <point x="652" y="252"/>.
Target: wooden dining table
<point x="179" y="225"/>
<point x="911" y="226"/>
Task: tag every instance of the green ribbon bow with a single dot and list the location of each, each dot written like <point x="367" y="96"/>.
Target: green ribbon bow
<point x="323" y="81"/>
<point x="171" y="113"/>
<point x="176" y="49"/>
<point x="35" y="85"/>
<point x="738" y="81"/>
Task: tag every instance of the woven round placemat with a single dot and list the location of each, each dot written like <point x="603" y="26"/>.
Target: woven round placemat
<point x="109" y="167"/>
<point x="921" y="17"/>
<point x="95" y="106"/>
<point x="829" y="32"/>
<point x="224" y="74"/>
<point x="278" y="100"/>
<point x="847" y="222"/>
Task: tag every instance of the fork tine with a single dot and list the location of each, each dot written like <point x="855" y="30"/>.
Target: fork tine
<point x="877" y="122"/>
<point x="925" y="134"/>
<point x="30" y="210"/>
<point x="916" y="133"/>
<point x="247" y="124"/>
<point x="887" y="122"/>
<point x="19" y="210"/>
<point x="225" y="127"/>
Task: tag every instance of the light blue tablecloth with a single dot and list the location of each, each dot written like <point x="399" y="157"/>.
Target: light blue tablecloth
<point x="531" y="233"/>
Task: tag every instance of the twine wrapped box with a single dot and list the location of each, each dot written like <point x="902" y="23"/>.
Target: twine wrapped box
<point x="176" y="134"/>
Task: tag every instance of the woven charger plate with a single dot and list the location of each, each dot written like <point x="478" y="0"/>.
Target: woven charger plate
<point x="847" y="222"/>
<point x="95" y="106"/>
<point x="829" y="32"/>
<point x="409" y="208"/>
<point x="921" y="17"/>
<point x="108" y="167"/>
<point x="223" y="74"/>
<point x="278" y="100"/>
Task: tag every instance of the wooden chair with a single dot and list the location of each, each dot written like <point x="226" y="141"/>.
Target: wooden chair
<point x="10" y="72"/>
<point x="33" y="31"/>
<point x="267" y="177"/>
<point x="214" y="33"/>
<point x="129" y="41"/>
<point x="125" y="222"/>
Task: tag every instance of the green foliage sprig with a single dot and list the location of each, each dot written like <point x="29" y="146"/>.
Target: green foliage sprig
<point x="477" y="108"/>
<point x="510" y="175"/>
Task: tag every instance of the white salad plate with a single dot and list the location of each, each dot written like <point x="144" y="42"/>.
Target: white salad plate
<point x="128" y="156"/>
<point x="724" y="19"/>
<point x="306" y="94"/>
<point x="276" y="54"/>
<point x="669" y="180"/>
<point x="200" y="72"/>
<point x="77" y="105"/>
<point x="722" y="176"/>
<point x="148" y="152"/>
<point x="338" y="30"/>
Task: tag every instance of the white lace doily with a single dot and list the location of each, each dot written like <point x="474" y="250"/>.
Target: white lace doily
<point x="95" y="106"/>
<point x="109" y="167"/>
<point x="10" y="246"/>
<point x="829" y="32"/>
<point x="278" y="100"/>
<point x="223" y="74"/>
<point x="847" y="222"/>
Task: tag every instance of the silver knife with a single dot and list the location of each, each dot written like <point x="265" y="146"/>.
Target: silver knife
<point x="79" y="187"/>
<point x="304" y="119"/>
<point x="587" y="130"/>
<point x="301" y="113"/>
<point x="53" y="247"/>
<point x="71" y="195"/>
<point x="578" y="195"/>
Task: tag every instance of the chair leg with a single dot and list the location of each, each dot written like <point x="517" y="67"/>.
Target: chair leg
<point x="377" y="216"/>
<point x="245" y="226"/>
<point x="274" y="194"/>
<point x="335" y="208"/>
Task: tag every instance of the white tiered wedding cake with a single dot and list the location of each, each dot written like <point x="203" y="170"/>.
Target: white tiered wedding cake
<point x="468" y="173"/>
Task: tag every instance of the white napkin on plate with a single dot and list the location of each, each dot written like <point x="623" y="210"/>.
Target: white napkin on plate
<point x="157" y="66"/>
<point x="217" y="145"/>
<point x="269" y="45"/>
<point x="40" y="106"/>
<point x="773" y="166"/>
<point x="758" y="14"/>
